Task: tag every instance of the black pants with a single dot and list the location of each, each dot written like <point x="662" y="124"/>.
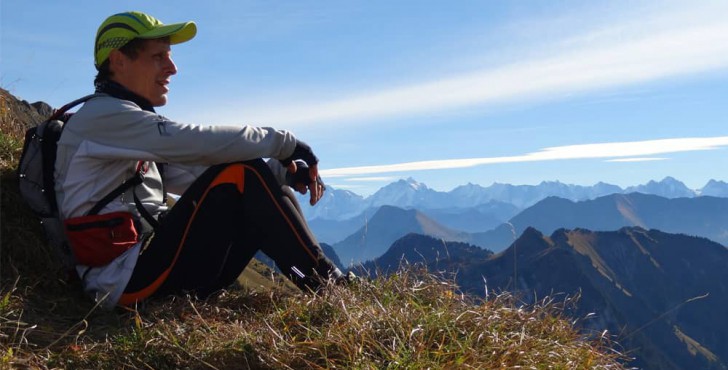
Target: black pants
<point x="208" y="237"/>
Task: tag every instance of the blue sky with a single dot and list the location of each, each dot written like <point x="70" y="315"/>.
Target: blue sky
<point x="445" y="92"/>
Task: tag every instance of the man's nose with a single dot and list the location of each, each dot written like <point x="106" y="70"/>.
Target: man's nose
<point x="171" y="67"/>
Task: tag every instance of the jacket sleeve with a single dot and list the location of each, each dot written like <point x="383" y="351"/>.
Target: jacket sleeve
<point x="140" y="135"/>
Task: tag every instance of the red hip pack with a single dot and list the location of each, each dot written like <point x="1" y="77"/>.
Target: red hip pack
<point x="96" y="240"/>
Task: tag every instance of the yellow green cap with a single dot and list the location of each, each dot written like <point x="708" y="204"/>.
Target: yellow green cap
<point x="121" y="28"/>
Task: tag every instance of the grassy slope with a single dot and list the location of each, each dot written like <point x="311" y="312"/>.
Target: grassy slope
<point x="409" y="320"/>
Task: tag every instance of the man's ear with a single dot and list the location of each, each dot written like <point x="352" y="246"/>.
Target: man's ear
<point x="117" y="61"/>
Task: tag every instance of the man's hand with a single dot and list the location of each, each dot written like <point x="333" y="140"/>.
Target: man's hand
<point x="304" y="178"/>
<point x="301" y="184"/>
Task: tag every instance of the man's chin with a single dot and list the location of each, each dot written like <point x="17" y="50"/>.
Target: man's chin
<point x="162" y="100"/>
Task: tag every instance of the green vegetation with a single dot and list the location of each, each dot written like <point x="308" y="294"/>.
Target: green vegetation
<point x="409" y="320"/>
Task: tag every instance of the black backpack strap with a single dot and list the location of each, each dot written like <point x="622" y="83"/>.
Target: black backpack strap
<point x="142" y="168"/>
<point x="60" y="111"/>
<point x="143" y="211"/>
<point x="132" y="182"/>
<point x="162" y="167"/>
<point x="126" y="185"/>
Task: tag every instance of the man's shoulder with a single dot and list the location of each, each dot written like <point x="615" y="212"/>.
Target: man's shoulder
<point x="105" y="112"/>
<point x="108" y="102"/>
<point x="107" y="107"/>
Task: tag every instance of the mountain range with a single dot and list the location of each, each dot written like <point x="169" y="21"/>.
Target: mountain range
<point x="343" y="204"/>
<point x="663" y="296"/>
<point x="472" y="208"/>
<point x="702" y="216"/>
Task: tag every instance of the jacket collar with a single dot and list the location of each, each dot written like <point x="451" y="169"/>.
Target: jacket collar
<point x="118" y="91"/>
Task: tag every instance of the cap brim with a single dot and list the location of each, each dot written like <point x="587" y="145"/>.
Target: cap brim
<point x="177" y="33"/>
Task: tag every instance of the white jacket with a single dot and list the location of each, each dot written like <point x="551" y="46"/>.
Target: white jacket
<point x="101" y="145"/>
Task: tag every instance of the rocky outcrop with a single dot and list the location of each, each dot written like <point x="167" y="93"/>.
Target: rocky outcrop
<point x="17" y="115"/>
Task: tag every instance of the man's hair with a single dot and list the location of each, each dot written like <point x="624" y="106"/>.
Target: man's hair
<point x="131" y="49"/>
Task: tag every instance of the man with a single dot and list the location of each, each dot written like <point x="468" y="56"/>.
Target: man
<point x="129" y="244"/>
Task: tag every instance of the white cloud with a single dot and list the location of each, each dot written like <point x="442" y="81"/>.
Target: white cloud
<point x="639" y="159"/>
<point x="638" y="51"/>
<point x="627" y="150"/>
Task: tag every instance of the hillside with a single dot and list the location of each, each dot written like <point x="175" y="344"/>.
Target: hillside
<point x="645" y="284"/>
<point x="665" y="294"/>
<point x="410" y="320"/>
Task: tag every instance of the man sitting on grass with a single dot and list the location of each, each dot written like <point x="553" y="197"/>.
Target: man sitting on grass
<point x="233" y="203"/>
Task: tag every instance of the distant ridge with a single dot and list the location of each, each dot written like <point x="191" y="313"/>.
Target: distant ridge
<point x="668" y="188"/>
<point x="701" y="216"/>
<point x="343" y="204"/>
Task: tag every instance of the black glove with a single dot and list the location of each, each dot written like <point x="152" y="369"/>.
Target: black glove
<point x="301" y="176"/>
<point x="303" y="152"/>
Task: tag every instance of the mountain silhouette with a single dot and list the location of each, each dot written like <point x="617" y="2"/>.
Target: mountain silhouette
<point x="715" y="188"/>
<point x="385" y="226"/>
<point x="669" y="187"/>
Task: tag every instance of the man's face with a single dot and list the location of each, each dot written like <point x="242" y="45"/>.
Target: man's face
<point x="148" y="74"/>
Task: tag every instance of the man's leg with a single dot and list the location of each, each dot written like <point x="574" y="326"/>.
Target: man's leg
<point x="215" y="228"/>
<point x="281" y="232"/>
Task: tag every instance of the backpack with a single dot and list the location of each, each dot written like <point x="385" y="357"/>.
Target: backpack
<point x="36" y="181"/>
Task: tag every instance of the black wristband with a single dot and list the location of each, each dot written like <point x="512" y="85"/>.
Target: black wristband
<point x="303" y="152"/>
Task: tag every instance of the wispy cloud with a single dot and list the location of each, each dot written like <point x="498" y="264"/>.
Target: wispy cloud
<point x="648" y="50"/>
<point x="640" y="159"/>
<point x="628" y="150"/>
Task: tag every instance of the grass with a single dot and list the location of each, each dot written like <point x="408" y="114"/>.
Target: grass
<point x="413" y="319"/>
